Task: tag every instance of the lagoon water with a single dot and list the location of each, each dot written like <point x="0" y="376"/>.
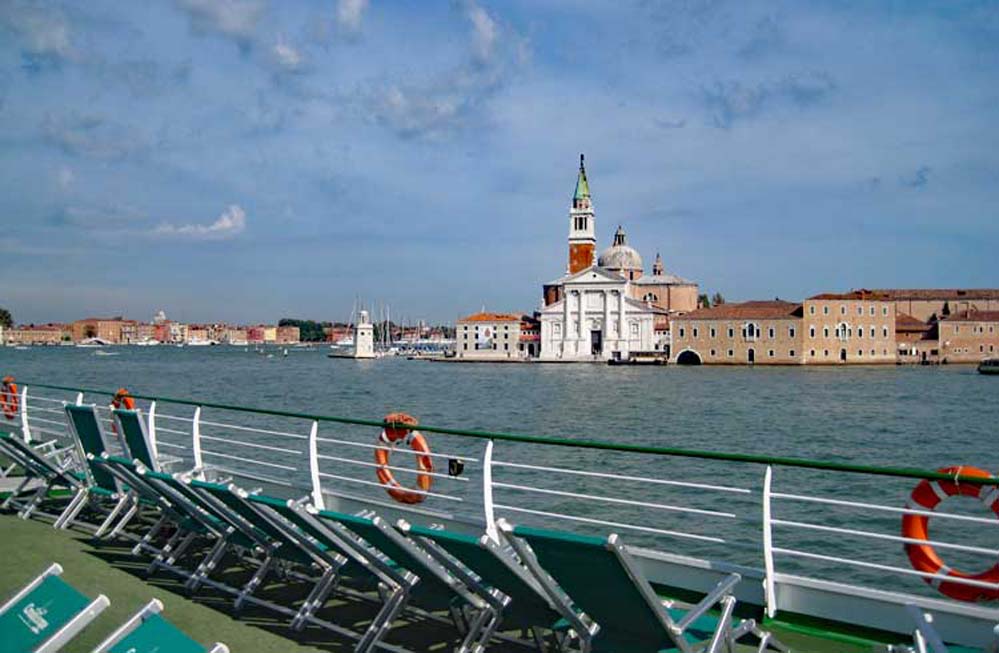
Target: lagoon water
<point x="925" y="417"/>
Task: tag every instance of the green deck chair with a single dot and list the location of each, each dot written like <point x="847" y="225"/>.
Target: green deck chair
<point x="395" y="582"/>
<point x="280" y="544"/>
<point x="46" y="614"/>
<point x="438" y="588"/>
<point x="602" y="578"/>
<point x="133" y="437"/>
<point x="531" y="606"/>
<point x="99" y="485"/>
<point x="148" y="632"/>
<point x="36" y="467"/>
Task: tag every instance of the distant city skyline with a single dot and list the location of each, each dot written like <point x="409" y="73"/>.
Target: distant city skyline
<point x="250" y="160"/>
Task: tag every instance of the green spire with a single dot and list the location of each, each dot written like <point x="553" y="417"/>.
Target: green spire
<point x="582" y="186"/>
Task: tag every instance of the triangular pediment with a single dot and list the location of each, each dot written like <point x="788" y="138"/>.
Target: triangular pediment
<point x="594" y="274"/>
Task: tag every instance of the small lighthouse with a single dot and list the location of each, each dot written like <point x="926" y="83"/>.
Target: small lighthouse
<point x="364" y="337"/>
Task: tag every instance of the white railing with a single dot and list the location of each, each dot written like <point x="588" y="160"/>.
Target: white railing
<point x="781" y="533"/>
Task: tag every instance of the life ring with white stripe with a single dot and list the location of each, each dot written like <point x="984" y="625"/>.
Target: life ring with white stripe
<point x="927" y="495"/>
<point x="122" y="398"/>
<point x="9" y="401"/>
<point x="392" y="435"/>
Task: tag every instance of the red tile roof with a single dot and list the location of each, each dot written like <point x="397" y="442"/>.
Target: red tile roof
<point x="972" y="316"/>
<point x="775" y="309"/>
<point x="940" y="294"/>
<point x="861" y="294"/>
<point x="905" y="323"/>
<point x="492" y="317"/>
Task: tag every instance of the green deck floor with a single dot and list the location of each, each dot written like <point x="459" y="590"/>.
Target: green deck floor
<point x="29" y="546"/>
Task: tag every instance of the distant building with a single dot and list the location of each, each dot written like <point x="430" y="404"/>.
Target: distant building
<point x="497" y="336"/>
<point x="924" y="303"/>
<point x="288" y="335"/>
<point x="916" y="341"/>
<point x="270" y="333"/>
<point x="607" y="307"/>
<point x="364" y="337"/>
<point x="36" y="334"/>
<point x="968" y="336"/>
<point x="107" y="329"/>
<point x="832" y="328"/>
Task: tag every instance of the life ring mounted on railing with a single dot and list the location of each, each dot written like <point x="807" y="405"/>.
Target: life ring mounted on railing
<point x="122" y="399"/>
<point x="927" y="495"/>
<point x="399" y="428"/>
<point x="10" y="402"/>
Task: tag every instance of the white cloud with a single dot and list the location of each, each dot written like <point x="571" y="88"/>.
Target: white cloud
<point x="484" y="32"/>
<point x="230" y="224"/>
<point x="349" y="14"/>
<point x="65" y="177"/>
<point x="287" y="57"/>
<point x="236" y="19"/>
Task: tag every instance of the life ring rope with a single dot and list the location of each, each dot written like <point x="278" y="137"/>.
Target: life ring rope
<point x="925" y="498"/>
<point x="399" y="428"/>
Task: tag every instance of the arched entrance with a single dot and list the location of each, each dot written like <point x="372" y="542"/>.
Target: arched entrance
<point x="751" y="356"/>
<point x="688" y="357"/>
<point x="842" y="355"/>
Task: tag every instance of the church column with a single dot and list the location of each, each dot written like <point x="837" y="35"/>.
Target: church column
<point x="565" y="318"/>
<point x="607" y="301"/>
<point x="621" y="330"/>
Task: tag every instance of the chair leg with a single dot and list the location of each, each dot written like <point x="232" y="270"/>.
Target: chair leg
<point x="471" y="642"/>
<point x="207" y="565"/>
<point x="118" y="507"/>
<point x="382" y="621"/>
<point x="72" y="510"/>
<point x="35" y="501"/>
<point x="254" y="583"/>
<point x="149" y="536"/>
<point x="13" y="495"/>
<point x="316" y="598"/>
<point x="181" y="548"/>
<point x="124" y="521"/>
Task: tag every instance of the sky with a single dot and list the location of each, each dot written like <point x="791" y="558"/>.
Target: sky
<point x="246" y="160"/>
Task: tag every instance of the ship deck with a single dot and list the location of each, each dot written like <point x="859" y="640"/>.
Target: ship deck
<point x="109" y="568"/>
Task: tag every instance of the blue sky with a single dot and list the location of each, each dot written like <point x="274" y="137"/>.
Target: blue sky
<point x="246" y="160"/>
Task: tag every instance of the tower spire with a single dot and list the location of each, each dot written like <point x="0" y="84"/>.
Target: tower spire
<point x="582" y="185"/>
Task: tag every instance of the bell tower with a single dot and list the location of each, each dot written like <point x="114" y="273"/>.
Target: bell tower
<point x="582" y="230"/>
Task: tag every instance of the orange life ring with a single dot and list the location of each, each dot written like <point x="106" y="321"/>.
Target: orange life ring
<point x="927" y="495"/>
<point x="391" y="435"/>
<point x="122" y="399"/>
<point x="10" y="402"/>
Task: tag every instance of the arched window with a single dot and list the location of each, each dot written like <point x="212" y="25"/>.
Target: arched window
<point x="750" y="331"/>
<point x="843" y="331"/>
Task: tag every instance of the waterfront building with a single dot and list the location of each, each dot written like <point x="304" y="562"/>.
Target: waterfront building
<point x="35" y="334"/>
<point x="606" y="307"/>
<point x="916" y="341"/>
<point x="288" y="335"/>
<point x="857" y="327"/>
<point x="235" y="336"/>
<point x="364" y="337"/>
<point x="107" y="329"/>
<point x="854" y="327"/>
<point x="925" y="303"/>
<point x="968" y="336"/>
<point x="497" y="336"/>
<point x="198" y="333"/>
<point x="270" y="333"/>
<point x="754" y="332"/>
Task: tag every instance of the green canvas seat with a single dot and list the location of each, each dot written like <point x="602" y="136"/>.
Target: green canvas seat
<point x="46" y="614"/>
<point x="530" y="607"/>
<point x="602" y="579"/>
<point x="99" y="484"/>
<point x="36" y="468"/>
<point x="147" y="631"/>
<point x="438" y="588"/>
<point x="133" y="437"/>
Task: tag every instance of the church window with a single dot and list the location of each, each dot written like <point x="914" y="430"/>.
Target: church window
<point x="790" y="332"/>
<point x="634" y="328"/>
<point x="681" y="332"/>
<point x="731" y="332"/>
<point x="694" y="332"/>
<point x="811" y="332"/>
<point x="506" y="346"/>
<point x="712" y="332"/>
<point x="771" y="333"/>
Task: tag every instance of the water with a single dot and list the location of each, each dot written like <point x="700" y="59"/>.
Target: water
<point x="898" y="416"/>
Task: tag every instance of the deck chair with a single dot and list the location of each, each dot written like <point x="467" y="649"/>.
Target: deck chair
<point x="148" y="632"/>
<point x="134" y="439"/>
<point x="281" y="545"/>
<point x="926" y="639"/>
<point x="602" y="579"/>
<point x="46" y="614"/>
<point x="99" y="485"/>
<point x="394" y="583"/>
<point x="475" y="616"/>
<point x="531" y="607"/>
<point x="36" y="467"/>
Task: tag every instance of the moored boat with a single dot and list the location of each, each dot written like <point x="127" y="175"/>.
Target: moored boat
<point x="989" y="366"/>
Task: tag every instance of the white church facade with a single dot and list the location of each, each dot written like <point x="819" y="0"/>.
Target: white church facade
<point x="594" y="312"/>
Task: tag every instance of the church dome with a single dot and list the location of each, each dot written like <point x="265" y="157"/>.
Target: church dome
<point x="619" y="256"/>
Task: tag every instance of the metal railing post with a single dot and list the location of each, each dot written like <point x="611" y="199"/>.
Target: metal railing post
<point x="769" y="591"/>
<point x="151" y="430"/>
<point x="317" y="488"/>
<point x="196" y="441"/>
<point x="487" y="492"/>
<point x="25" y="428"/>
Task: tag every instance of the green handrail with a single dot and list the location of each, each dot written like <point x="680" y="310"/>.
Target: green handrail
<point x="783" y="461"/>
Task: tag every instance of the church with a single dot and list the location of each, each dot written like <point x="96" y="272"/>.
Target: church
<point x="606" y="307"/>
